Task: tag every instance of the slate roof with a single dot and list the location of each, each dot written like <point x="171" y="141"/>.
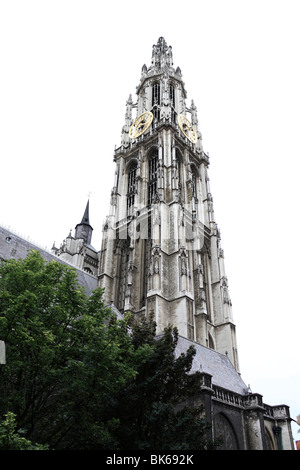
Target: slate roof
<point x="13" y="246"/>
<point x="214" y="363"/>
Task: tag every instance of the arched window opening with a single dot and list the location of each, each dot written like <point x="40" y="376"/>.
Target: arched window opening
<point x="131" y="188"/>
<point x="224" y="431"/>
<point x="152" y="182"/>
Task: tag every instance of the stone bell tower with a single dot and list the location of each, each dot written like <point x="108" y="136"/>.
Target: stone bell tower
<point x="161" y="249"/>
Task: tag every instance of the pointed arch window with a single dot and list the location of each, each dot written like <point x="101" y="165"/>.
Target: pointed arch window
<point x="152" y="182"/>
<point x="131" y="188"/>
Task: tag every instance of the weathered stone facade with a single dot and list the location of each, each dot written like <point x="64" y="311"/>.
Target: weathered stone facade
<point x="161" y="247"/>
<point x="238" y="416"/>
<point x="161" y="252"/>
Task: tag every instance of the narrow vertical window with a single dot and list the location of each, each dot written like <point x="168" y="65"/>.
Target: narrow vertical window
<point x="172" y="95"/>
<point x="147" y="262"/>
<point x="156" y="94"/>
<point x="206" y="278"/>
<point x="152" y="183"/>
<point x="194" y="187"/>
<point x="190" y="320"/>
<point x="172" y="101"/>
<point x="123" y="273"/>
<point x="178" y="169"/>
<point x="131" y="189"/>
<point x="155" y="102"/>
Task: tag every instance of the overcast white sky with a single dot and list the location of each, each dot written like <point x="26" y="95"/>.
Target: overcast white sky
<point x="67" y="69"/>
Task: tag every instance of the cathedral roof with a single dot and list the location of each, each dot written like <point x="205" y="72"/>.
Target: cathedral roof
<point x="15" y="246"/>
<point x="218" y="365"/>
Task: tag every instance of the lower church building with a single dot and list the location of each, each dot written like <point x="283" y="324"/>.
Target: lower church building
<point x="161" y="253"/>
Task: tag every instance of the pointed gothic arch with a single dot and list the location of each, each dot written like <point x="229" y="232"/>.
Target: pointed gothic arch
<point x="270" y="440"/>
<point x="224" y="430"/>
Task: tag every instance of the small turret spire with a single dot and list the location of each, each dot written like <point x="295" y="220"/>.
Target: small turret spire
<point x="84" y="229"/>
<point x="86" y="217"/>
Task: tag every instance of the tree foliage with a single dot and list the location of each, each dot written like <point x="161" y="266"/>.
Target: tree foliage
<point x="155" y="408"/>
<point x="62" y="357"/>
<point x="10" y="439"/>
<point x="76" y="377"/>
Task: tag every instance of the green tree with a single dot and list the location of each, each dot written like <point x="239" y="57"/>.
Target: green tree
<point x="10" y="439"/>
<point x="76" y="377"/>
<point x="66" y="353"/>
<point x="156" y="408"/>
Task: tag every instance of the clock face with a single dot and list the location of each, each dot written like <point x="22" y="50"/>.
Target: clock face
<point x="187" y="128"/>
<point x="140" y="125"/>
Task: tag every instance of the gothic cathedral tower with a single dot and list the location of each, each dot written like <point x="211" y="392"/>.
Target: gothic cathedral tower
<point x="161" y="247"/>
